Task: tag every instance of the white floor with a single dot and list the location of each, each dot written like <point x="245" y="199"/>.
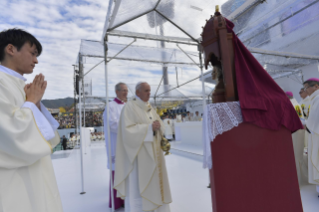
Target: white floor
<point x="188" y="181"/>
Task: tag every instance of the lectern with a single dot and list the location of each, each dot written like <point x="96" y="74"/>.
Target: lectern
<point x="252" y="168"/>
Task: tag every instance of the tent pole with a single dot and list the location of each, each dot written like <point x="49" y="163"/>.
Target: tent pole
<point x="203" y="81"/>
<point x="107" y="121"/>
<point x="80" y="111"/>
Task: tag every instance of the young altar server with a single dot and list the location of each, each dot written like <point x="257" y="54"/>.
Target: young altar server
<point x="311" y="86"/>
<point x="115" y="109"/>
<point x="28" y="131"/>
<point x="141" y="176"/>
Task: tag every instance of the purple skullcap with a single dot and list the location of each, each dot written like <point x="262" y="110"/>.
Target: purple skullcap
<point x="289" y="93"/>
<point x="313" y="79"/>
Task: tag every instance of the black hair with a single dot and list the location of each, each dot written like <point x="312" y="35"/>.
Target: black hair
<point x="17" y="37"/>
<point x="311" y="83"/>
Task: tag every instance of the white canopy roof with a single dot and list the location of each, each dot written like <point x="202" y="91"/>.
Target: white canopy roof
<point x="281" y="34"/>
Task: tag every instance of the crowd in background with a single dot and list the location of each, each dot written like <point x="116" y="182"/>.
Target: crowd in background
<point x="92" y="119"/>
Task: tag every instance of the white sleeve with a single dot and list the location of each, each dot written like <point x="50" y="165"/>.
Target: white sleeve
<point x="149" y="134"/>
<point x="113" y="121"/>
<point x="41" y="121"/>
<point x="54" y="123"/>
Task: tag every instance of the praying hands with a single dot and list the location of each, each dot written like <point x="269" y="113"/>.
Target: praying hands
<point x="35" y="90"/>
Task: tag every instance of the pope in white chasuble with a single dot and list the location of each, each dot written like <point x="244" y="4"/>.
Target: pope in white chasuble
<point x="140" y="171"/>
<point x="311" y="86"/>
<point x="27" y="129"/>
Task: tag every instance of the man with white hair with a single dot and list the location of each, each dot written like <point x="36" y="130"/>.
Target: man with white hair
<point x="115" y="109"/>
<point x="141" y="176"/>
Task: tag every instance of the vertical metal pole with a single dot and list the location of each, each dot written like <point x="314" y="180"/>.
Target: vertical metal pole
<point x="203" y="82"/>
<point x="165" y="72"/>
<point x="107" y="122"/>
<point x="83" y="85"/>
<point x="81" y="133"/>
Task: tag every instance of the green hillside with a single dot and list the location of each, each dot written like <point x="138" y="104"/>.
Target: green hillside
<point x="56" y="103"/>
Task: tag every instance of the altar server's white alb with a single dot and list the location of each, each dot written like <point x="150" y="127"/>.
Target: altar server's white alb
<point x="27" y="180"/>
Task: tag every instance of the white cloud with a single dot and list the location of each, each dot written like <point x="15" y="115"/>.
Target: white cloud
<point x="60" y="26"/>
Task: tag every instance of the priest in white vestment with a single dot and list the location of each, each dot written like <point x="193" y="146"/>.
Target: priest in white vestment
<point x="179" y="118"/>
<point x="168" y="125"/>
<point x="188" y="117"/>
<point x="141" y="177"/>
<point x="115" y="109"/>
<point x="28" y="131"/>
<point x="197" y="117"/>
<point x="312" y="123"/>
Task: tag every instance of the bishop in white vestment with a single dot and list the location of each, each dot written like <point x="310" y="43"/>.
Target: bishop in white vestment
<point x="115" y="109"/>
<point x="28" y="131"/>
<point x="141" y="177"/>
<point x="312" y="88"/>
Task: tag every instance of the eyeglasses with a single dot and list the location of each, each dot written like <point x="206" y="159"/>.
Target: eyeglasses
<point x="305" y="88"/>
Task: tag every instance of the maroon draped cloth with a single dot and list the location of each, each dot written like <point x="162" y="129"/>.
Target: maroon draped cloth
<point x="262" y="101"/>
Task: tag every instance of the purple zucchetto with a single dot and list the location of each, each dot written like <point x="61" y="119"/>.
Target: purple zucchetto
<point x="313" y="79"/>
<point x="289" y="93"/>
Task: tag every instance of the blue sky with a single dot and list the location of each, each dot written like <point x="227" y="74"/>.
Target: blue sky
<point x="60" y="25"/>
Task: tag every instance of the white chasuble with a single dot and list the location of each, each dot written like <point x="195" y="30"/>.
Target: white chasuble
<point x="312" y="124"/>
<point x="140" y="170"/>
<point x="27" y="180"/>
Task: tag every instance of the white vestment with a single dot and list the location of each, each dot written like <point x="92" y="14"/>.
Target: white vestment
<point x="298" y="138"/>
<point x="188" y="118"/>
<point x="197" y="118"/>
<point x="168" y="124"/>
<point x="305" y="103"/>
<point x="27" y="180"/>
<point x="115" y="110"/>
<point x="312" y="124"/>
<point x="141" y="176"/>
<point x="179" y="118"/>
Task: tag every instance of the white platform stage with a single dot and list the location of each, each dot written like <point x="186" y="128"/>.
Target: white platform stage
<point x="188" y="180"/>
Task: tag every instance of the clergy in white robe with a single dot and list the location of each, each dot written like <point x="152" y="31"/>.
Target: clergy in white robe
<point x="168" y="126"/>
<point x="27" y="129"/>
<point x="115" y="109"/>
<point x="197" y="117"/>
<point x="312" y="123"/>
<point x="305" y="106"/>
<point x="305" y="102"/>
<point x="178" y="118"/>
<point x="188" y="117"/>
<point x="141" y="177"/>
<point x="298" y="139"/>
